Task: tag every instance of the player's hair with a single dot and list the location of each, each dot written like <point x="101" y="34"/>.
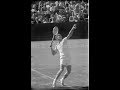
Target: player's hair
<point x="58" y="35"/>
<point x="55" y="27"/>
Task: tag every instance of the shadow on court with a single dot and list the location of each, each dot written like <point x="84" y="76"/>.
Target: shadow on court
<point x="62" y="88"/>
<point x="42" y="79"/>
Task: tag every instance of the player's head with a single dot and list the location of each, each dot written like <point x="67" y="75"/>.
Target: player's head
<point x="58" y="37"/>
<point x="55" y="28"/>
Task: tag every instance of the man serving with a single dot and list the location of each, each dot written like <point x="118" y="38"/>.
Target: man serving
<point x="65" y="58"/>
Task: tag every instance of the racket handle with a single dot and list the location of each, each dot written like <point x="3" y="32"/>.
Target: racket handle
<point x="52" y="41"/>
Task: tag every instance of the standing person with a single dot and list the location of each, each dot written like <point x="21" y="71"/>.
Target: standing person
<point x="65" y="58"/>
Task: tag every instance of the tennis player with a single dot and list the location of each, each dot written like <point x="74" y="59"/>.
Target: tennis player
<point x="65" y="58"/>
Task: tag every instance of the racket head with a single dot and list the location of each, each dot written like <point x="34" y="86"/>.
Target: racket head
<point x="55" y="30"/>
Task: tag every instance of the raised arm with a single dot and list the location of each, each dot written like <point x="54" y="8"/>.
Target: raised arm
<point x="71" y="31"/>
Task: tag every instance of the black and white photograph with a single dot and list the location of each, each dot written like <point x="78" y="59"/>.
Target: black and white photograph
<point x="59" y="45"/>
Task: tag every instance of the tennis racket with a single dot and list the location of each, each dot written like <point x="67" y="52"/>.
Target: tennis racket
<point x="55" y="32"/>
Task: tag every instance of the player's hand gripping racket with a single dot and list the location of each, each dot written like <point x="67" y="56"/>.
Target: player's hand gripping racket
<point x="55" y="32"/>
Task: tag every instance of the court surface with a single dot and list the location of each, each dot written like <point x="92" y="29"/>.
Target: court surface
<point x="44" y="66"/>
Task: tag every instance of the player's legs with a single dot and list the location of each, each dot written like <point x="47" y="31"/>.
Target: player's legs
<point x="58" y="74"/>
<point x="68" y="68"/>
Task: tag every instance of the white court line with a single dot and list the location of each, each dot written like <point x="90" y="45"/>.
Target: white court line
<point x="48" y="77"/>
<point x="43" y="74"/>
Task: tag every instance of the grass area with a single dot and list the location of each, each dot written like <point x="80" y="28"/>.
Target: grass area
<point x="45" y="66"/>
<point x="44" y="77"/>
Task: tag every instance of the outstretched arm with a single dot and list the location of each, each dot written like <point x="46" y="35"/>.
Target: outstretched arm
<point x="71" y="31"/>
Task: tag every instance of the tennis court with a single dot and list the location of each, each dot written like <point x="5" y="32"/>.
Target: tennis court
<point x="45" y="66"/>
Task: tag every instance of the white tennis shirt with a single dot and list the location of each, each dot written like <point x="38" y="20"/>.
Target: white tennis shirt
<point x="64" y="53"/>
